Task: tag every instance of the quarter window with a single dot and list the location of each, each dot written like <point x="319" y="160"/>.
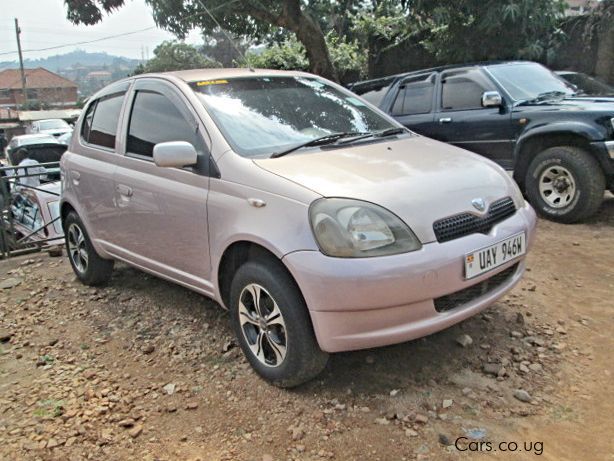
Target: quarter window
<point x="155" y="119"/>
<point x="101" y="128"/>
<point x="415" y="97"/>
<point x="462" y="90"/>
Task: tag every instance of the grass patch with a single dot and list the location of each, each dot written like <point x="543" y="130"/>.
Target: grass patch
<point x="49" y="407"/>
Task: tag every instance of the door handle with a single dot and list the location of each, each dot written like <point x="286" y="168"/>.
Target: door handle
<point x="445" y="120"/>
<point x="124" y="190"/>
<point x="76" y="174"/>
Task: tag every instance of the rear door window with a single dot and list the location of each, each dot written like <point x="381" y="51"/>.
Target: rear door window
<point x="415" y="96"/>
<point x="100" y="123"/>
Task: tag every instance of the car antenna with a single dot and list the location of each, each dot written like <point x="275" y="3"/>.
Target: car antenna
<point x="234" y="45"/>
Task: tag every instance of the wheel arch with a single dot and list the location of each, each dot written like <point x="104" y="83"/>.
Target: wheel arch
<point x="238" y="253"/>
<point x="531" y="145"/>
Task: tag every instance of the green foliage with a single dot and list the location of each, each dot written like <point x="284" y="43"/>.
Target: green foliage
<point x="289" y="55"/>
<point x="474" y="30"/>
<point x="173" y="55"/>
<point x="347" y="57"/>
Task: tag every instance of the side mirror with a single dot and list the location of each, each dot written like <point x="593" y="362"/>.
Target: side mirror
<point x="174" y="154"/>
<point x="491" y="99"/>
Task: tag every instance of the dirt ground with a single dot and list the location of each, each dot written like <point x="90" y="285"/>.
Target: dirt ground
<point x="146" y="370"/>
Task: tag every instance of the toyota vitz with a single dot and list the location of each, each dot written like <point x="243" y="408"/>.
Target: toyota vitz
<point x="317" y="220"/>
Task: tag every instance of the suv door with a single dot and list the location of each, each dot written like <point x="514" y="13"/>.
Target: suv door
<point x="89" y="173"/>
<point x="464" y="122"/>
<point x="162" y="212"/>
<point x="414" y="103"/>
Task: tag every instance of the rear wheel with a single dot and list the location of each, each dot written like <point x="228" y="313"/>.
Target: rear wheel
<point x="565" y="184"/>
<point x="90" y="268"/>
<point x="272" y="325"/>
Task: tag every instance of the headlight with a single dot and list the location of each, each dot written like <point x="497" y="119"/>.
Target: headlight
<point x="355" y="229"/>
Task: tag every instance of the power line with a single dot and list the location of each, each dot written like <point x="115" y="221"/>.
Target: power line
<point x="83" y="42"/>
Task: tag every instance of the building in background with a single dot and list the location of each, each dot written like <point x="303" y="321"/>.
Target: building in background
<point x="44" y="89"/>
<point x="578" y="7"/>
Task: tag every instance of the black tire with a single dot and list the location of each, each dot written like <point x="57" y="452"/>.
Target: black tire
<point x="96" y="270"/>
<point x="303" y="358"/>
<point x="585" y="173"/>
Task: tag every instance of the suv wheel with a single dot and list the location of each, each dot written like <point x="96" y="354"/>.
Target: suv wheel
<point x="272" y="325"/>
<point x="565" y="184"/>
<point x="90" y="268"/>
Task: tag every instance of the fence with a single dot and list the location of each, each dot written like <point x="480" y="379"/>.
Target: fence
<point x="29" y="208"/>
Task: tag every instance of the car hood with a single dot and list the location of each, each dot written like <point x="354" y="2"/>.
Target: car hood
<point x="417" y="178"/>
<point x="583" y="103"/>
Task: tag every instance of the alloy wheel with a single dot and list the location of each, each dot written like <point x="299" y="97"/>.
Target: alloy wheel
<point x="262" y="325"/>
<point x="77" y="248"/>
<point x="557" y="186"/>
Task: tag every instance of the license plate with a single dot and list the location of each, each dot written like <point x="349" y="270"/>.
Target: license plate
<point x="485" y="259"/>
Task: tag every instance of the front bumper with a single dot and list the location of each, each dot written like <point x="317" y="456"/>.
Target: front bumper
<point x="372" y="302"/>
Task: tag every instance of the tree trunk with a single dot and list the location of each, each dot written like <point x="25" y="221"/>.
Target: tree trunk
<point x="310" y="34"/>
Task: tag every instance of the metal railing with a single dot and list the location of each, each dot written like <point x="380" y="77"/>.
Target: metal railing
<point x="16" y="236"/>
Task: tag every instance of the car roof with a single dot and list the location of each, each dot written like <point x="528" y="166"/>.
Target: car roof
<point x="441" y="69"/>
<point x="51" y="120"/>
<point x="216" y="73"/>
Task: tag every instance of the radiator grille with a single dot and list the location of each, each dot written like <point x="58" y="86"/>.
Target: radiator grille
<point x="463" y="224"/>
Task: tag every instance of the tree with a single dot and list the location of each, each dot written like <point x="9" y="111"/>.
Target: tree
<point x="249" y="18"/>
<point x="172" y="55"/>
<point x="348" y="58"/>
<point x="224" y="49"/>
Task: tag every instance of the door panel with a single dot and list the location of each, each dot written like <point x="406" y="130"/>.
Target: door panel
<point x="461" y="120"/>
<point x="163" y="211"/>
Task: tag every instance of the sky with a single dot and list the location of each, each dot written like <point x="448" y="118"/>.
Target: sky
<point x="43" y="24"/>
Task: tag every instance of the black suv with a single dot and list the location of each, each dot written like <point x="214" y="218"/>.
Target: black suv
<point x="559" y="143"/>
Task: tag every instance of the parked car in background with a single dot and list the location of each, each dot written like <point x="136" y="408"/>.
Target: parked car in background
<point x="321" y="223"/>
<point x="42" y="148"/>
<point x="586" y="85"/>
<point x="65" y="138"/>
<point x="32" y="217"/>
<point x="518" y="114"/>
<point x="53" y="126"/>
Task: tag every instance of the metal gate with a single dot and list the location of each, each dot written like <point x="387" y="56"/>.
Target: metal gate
<point x="29" y="207"/>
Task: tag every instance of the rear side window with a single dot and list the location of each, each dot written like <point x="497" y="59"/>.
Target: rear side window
<point x="155" y="119"/>
<point x="415" y="96"/>
<point x="100" y="123"/>
<point x="373" y="92"/>
<point x="462" y="90"/>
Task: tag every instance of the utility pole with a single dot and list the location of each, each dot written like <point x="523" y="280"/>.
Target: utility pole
<point x="23" y="74"/>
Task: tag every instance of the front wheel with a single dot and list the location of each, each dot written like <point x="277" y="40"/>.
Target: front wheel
<point x="272" y="325"/>
<point x="90" y="268"/>
<point x="565" y="184"/>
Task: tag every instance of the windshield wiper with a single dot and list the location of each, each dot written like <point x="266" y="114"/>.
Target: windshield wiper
<point x="390" y="132"/>
<point x="322" y="140"/>
<point x="377" y="134"/>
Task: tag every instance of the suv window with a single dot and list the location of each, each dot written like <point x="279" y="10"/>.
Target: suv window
<point x="462" y="90"/>
<point x="373" y="92"/>
<point x="415" y="96"/>
<point x="100" y="123"/>
<point x="156" y="119"/>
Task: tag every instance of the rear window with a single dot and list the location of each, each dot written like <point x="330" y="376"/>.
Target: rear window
<point x="100" y="122"/>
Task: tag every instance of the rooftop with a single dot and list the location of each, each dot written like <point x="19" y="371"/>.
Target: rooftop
<point x="35" y="78"/>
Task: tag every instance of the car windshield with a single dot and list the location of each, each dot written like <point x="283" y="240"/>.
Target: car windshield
<point x="53" y="124"/>
<point x="526" y="81"/>
<point x="260" y="116"/>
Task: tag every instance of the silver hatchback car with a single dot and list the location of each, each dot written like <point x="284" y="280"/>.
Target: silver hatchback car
<point x="318" y="221"/>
